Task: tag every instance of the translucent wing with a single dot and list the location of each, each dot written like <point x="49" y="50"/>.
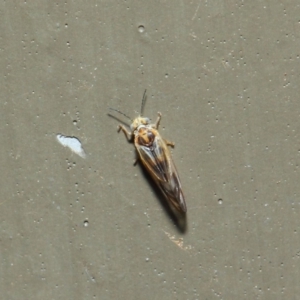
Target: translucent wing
<point x="157" y="160"/>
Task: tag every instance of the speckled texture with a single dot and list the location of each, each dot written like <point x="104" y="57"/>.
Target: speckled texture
<point x="224" y="75"/>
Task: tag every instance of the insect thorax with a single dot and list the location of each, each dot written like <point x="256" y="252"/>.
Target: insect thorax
<point x="144" y="135"/>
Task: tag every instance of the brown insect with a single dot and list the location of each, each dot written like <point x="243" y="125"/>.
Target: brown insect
<point x="155" y="156"/>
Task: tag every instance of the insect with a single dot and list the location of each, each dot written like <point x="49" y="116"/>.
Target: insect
<point x="155" y="156"/>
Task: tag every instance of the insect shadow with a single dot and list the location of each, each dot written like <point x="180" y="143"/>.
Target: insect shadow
<point x="118" y="119"/>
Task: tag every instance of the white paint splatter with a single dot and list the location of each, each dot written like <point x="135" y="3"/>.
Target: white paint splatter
<point x="71" y="142"/>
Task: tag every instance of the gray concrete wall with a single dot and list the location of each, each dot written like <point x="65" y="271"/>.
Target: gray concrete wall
<point x="224" y="74"/>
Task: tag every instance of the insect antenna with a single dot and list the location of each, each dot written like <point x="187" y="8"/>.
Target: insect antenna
<point x="118" y="111"/>
<point x="143" y="103"/>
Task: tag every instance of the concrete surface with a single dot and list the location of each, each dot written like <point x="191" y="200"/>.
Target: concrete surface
<point x="224" y="74"/>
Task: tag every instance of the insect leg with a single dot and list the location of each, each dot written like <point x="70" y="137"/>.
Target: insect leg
<point x="158" y="120"/>
<point x="169" y="143"/>
<point x="127" y="133"/>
